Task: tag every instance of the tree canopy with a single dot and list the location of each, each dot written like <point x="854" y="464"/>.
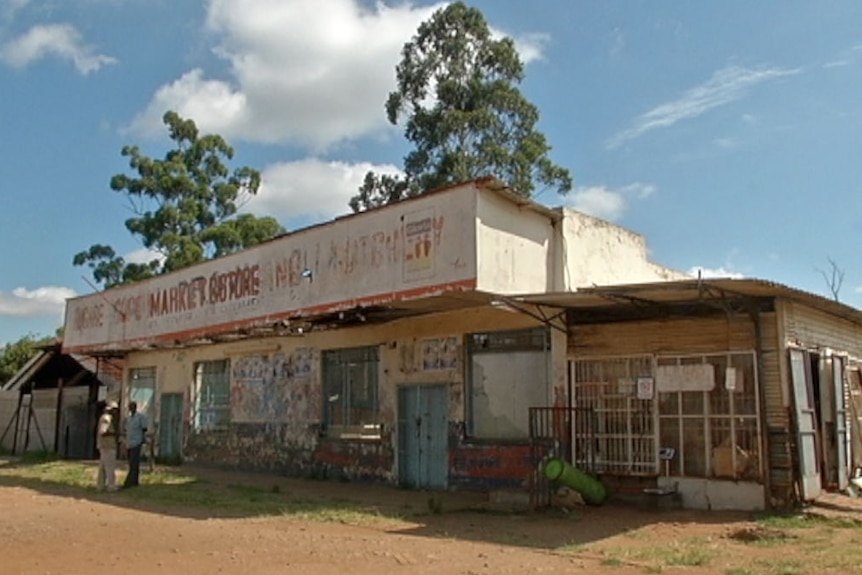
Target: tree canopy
<point x="457" y="90"/>
<point x="184" y="207"/>
<point x="15" y="355"/>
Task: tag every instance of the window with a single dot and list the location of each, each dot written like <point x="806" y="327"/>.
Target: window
<point x="142" y="389"/>
<point x="508" y="375"/>
<point x="712" y="425"/>
<point x="212" y="395"/>
<point x="350" y="380"/>
<point x="619" y="434"/>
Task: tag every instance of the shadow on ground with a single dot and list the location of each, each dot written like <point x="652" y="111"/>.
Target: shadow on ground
<point x="206" y="493"/>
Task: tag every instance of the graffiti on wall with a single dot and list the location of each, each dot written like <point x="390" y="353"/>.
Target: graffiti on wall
<point x="440" y="353"/>
<point x="276" y="388"/>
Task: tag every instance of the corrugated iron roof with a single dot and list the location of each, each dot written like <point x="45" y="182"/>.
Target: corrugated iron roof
<point x="689" y="291"/>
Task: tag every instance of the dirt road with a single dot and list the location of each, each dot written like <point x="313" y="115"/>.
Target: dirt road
<point x="56" y="531"/>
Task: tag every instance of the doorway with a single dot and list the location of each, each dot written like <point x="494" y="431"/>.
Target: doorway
<point x="423" y="424"/>
<point x="171" y="426"/>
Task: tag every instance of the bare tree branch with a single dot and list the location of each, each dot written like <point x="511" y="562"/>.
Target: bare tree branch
<point x="834" y="278"/>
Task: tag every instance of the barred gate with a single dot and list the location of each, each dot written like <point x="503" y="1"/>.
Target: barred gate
<point x="565" y="433"/>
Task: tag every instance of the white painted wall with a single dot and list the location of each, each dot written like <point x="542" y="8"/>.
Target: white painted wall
<point x="716" y="495"/>
<point x="515" y="246"/>
<point x="524" y="250"/>
<point x="597" y="252"/>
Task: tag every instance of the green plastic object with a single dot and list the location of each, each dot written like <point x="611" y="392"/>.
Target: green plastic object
<point x="590" y="489"/>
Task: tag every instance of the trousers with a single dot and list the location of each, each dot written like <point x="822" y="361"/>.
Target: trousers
<point x="107" y="476"/>
<point x="134" y="467"/>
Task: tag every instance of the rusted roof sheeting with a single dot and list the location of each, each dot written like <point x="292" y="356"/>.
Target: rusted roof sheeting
<point x="689" y="291"/>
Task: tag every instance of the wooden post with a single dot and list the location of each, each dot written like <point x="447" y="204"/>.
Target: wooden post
<point x="58" y="416"/>
<point x="29" y="417"/>
<point x="17" y="420"/>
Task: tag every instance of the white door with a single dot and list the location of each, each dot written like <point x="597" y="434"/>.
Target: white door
<point x="842" y="431"/>
<point x="806" y="424"/>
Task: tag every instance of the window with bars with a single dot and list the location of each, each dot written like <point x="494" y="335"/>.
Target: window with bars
<point x="350" y="382"/>
<point x="713" y="429"/>
<point x="212" y="395"/>
<point x="622" y="439"/>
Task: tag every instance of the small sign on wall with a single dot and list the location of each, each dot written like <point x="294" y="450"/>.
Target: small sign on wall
<point x="646" y="387"/>
<point x="731" y="379"/>
<point x="690" y="377"/>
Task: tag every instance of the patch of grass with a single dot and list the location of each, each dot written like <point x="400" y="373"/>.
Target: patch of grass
<point x="687" y="553"/>
<point x="50" y="470"/>
<point x="611" y="562"/>
<point x="43" y="456"/>
<point x="740" y="571"/>
<point x="809" y="520"/>
<point x="690" y="557"/>
<point x="781" y="566"/>
<point x="169" y="488"/>
<point x="572" y="548"/>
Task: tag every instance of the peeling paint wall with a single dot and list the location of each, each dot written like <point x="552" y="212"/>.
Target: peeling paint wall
<point x="597" y="252"/>
<point x="276" y="399"/>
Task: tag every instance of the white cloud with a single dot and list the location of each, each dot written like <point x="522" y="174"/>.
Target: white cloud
<point x="143" y="256"/>
<point x="60" y="40"/>
<point x="606" y="203"/>
<point x="638" y="190"/>
<point x="726" y="143"/>
<point x="310" y="72"/>
<point x="726" y="85"/>
<point x="310" y="190"/>
<point x="8" y="8"/>
<point x="307" y="72"/>
<point x="43" y="301"/>
<point x="720" y="272"/>
<point x="530" y="47"/>
<point x="598" y="201"/>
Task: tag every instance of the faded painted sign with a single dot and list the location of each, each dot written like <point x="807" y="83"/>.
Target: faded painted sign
<point x="422" y="246"/>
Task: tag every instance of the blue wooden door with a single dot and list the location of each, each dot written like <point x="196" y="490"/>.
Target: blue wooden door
<point x="171" y="425"/>
<point x="423" y="423"/>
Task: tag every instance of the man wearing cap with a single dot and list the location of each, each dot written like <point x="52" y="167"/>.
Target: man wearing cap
<point x="136" y="428"/>
<point x="106" y="442"/>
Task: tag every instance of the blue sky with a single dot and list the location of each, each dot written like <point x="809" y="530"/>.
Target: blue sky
<point x="728" y="133"/>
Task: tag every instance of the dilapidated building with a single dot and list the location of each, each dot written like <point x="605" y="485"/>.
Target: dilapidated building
<point x="409" y="343"/>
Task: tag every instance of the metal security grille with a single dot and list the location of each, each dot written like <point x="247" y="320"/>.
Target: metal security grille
<point x="624" y="420"/>
<point x="714" y="432"/>
<point x="350" y="380"/>
<point x="558" y="432"/>
<point x="212" y="395"/>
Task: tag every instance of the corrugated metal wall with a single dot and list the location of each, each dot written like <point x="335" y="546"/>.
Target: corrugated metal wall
<point x="671" y="336"/>
<point x="710" y="335"/>
<point x="810" y="328"/>
<point x="816" y="331"/>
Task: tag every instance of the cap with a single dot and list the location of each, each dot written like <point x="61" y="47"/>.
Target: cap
<point x="112" y="405"/>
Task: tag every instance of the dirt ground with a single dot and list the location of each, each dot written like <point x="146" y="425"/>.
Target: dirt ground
<point x="54" y="530"/>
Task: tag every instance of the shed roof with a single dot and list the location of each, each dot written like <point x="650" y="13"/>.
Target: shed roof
<point x="617" y="299"/>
